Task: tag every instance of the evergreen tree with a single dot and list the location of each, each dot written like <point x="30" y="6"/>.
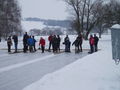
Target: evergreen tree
<point x="10" y="18"/>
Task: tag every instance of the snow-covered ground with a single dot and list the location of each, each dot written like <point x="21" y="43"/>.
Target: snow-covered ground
<point x="64" y="71"/>
<point x="28" y="25"/>
<point x="22" y="69"/>
<point x="94" y="72"/>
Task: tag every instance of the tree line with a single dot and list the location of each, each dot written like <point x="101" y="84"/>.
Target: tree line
<point x="10" y="18"/>
<point x="88" y="14"/>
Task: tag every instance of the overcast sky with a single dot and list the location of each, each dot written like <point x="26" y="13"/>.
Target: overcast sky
<point x="46" y="9"/>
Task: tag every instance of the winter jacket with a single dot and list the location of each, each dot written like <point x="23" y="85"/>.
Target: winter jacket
<point x="80" y="39"/>
<point x="76" y="43"/>
<point x="58" y="41"/>
<point x="96" y="39"/>
<point x="42" y="42"/>
<point x="25" y="39"/>
<point x="9" y="41"/>
<point x="54" y="41"/>
<point x="15" y="38"/>
<point x="50" y="38"/>
<point x="30" y="42"/>
<point x="92" y="41"/>
<point x="34" y="41"/>
<point x="66" y="41"/>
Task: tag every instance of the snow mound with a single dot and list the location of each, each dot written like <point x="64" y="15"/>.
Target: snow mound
<point x="116" y="26"/>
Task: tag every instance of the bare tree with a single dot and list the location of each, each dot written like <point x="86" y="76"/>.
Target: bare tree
<point x="89" y="14"/>
<point x="85" y="14"/>
<point x="96" y="17"/>
<point x="93" y="15"/>
<point x="112" y="12"/>
<point x="75" y="5"/>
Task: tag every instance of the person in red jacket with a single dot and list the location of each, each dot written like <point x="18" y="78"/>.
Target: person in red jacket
<point x="50" y="41"/>
<point x="91" y="42"/>
<point x="42" y="44"/>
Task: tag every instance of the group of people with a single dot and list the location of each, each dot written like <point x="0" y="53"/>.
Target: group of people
<point x="9" y="42"/>
<point x="93" y="41"/>
<point x="29" y="43"/>
<point x="54" y="42"/>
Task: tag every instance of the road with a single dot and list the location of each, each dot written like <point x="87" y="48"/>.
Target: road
<point x="20" y="70"/>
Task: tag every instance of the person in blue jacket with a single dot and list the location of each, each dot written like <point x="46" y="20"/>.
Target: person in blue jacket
<point x="34" y="46"/>
<point x="30" y="43"/>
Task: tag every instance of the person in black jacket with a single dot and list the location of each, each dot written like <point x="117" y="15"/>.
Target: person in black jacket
<point x="15" y="39"/>
<point x="58" y="42"/>
<point x="67" y="44"/>
<point x="76" y="43"/>
<point x="80" y="39"/>
<point x="54" y="43"/>
<point x="96" y="39"/>
<point x="25" y="44"/>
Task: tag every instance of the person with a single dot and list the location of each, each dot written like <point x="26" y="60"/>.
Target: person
<point x="42" y="44"/>
<point x="34" y="46"/>
<point x="9" y="43"/>
<point x="30" y="43"/>
<point x="50" y="41"/>
<point x="80" y="39"/>
<point x="67" y="44"/>
<point x="91" y="42"/>
<point x="96" y="42"/>
<point x="58" y="42"/>
<point x="54" y="43"/>
<point x="76" y="43"/>
<point x="15" y="39"/>
<point x="25" y="38"/>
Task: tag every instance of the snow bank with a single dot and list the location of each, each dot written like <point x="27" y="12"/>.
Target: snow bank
<point x="93" y="72"/>
<point x="116" y="26"/>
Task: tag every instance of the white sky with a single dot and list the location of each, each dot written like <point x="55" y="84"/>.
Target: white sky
<point x="46" y="9"/>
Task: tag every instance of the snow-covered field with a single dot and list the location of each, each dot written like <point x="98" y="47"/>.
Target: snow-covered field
<point x="94" y="72"/>
<point x="28" y="25"/>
